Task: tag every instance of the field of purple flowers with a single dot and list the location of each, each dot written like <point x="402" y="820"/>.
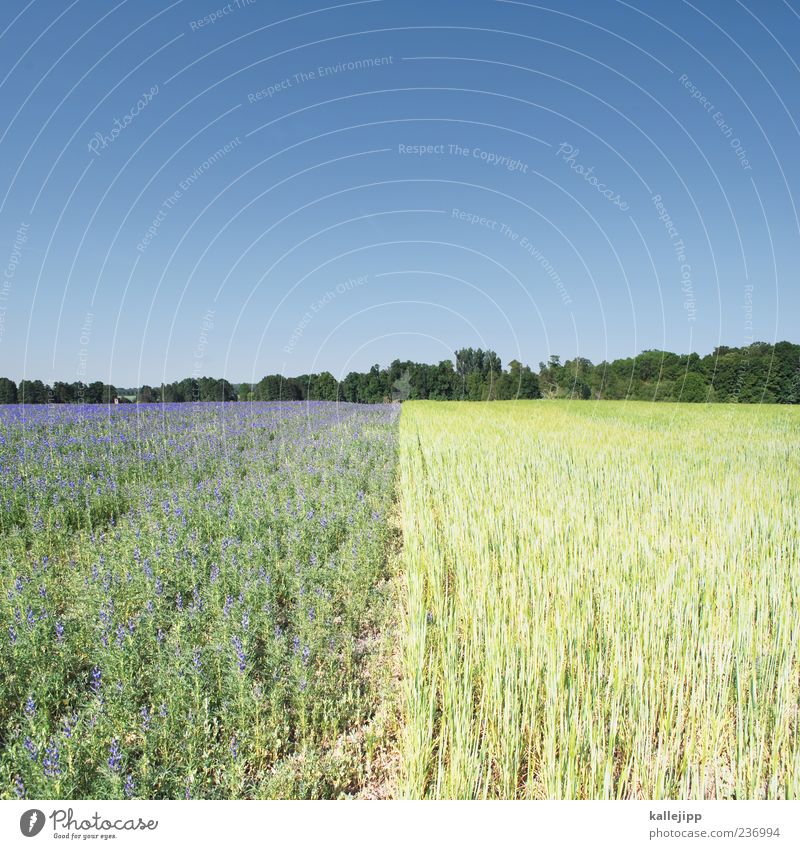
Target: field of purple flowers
<point x="187" y="595"/>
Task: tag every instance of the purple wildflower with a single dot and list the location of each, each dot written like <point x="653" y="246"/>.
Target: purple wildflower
<point x="237" y="644"/>
<point x="114" y="756"/>
<point x="50" y="762"/>
<point x="30" y="707"/>
<point x="30" y="748"/>
<point x="60" y="631"/>
<point x="69" y="725"/>
<point x="97" y="679"/>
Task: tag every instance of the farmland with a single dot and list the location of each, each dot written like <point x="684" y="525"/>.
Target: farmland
<point x="602" y="601"/>
<point x="591" y="600"/>
<point x="188" y="598"/>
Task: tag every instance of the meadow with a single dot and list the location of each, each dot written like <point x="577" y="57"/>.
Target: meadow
<point x="601" y="601"/>
<point x="591" y="600"/>
<point x="190" y="597"/>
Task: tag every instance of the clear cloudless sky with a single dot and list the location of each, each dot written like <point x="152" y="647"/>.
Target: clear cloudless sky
<point x="194" y="188"/>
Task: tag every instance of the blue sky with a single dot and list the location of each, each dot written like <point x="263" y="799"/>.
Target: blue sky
<point x="201" y="188"/>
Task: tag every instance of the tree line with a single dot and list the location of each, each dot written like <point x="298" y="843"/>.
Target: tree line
<point x="756" y="373"/>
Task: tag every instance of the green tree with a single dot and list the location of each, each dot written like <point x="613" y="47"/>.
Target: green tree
<point x="269" y="388"/>
<point x="401" y="388"/>
<point x="64" y="393"/>
<point x="294" y="389"/>
<point x="215" y="389"/>
<point x="323" y="387"/>
<point x="188" y="389"/>
<point x="33" y="392"/>
<point x="692" y="389"/>
<point x="528" y="385"/>
<point x="171" y="393"/>
<point x="8" y="391"/>
<point x="475" y="388"/>
<point x="444" y="382"/>
<point x="93" y="393"/>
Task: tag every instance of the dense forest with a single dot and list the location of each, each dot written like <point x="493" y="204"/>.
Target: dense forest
<point x="757" y="373"/>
